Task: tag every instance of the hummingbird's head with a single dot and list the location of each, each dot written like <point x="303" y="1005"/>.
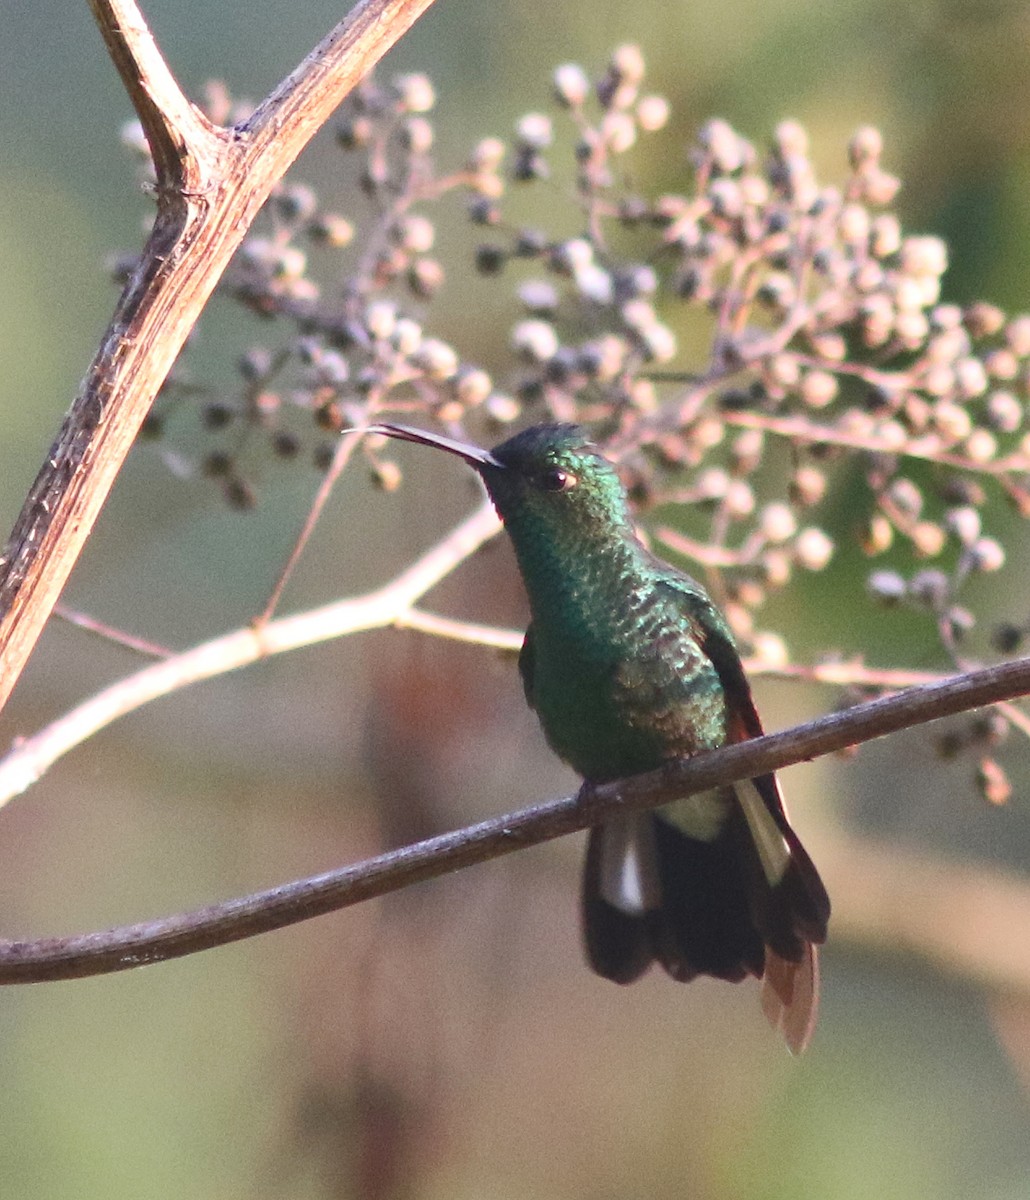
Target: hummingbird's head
<point x="546" y="478"/>
<point x="557" y="475"/>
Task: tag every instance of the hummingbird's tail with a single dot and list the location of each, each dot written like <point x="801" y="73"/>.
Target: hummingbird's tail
<point x="738" y="895"/>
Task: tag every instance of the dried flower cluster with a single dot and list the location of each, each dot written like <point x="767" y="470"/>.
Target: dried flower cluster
<point x="831" y="359"/>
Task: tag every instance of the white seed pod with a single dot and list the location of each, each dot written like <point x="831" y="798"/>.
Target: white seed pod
<point x="904" y="494"/>
<point x="472" y="385"/>
<point x="887" y="587"/>
<point x="658" y="342"/>
<point x="1017" y="334"/>
<point x="865" y="146"/>
<point x="983" y="319"/>
<point x="808" y="486"/>
<point x="627" y="63"/>
<point x="928" y="538"/>
<point x="712" y="484"/>
<point x="911" y="328"/>
<point x="415" y="92"/>
<point x="769" y="648"/>
<point x="1001" y="363"/>
<point x="964" y="523"/>
<point x="573" y="255"/>
<point x="486" y="155"/>
<point x="947" y="316"/>
<point x="406" y="337"/>
<point x="436" y="358"/>
<point x="951" y="420"/>
<point x="723" y="145"/>
<point x="790" y="139"/>
<point x="381" y="319"/>
<point x="878" y="535"/>
<point x="891" y="435"/>
<point x="1004" y="412"/>
<point x="981" y="446"/>
<point x="594" y="283"/>
<point x="418" y="135"/>
<point x="538" y="296"/>
<point x="535" y="131"/>
<point x="924" y="255"/>
<point x="777" y="567"/>
<point x="777" y="521"/>
<point x="853" y="224"/>
<point x="619" y="131"/>
<point x="739" y="499"/>
<point x="331" y="229"/>
<point x="987" y="554"/>
<point x="535" y="340"/>
<point x="725" y="197"/>
<point x="818" y="388"/>
<point x="747" y="449"/>
<point x="784" y="369"/>
<point x="813" y="549"/>
<point x="970" y="378"/>
<point x="880" y="187"/>
<point x="502" y="408"/>
<point x="571" y="85"/>
<point x="652" y="113"/>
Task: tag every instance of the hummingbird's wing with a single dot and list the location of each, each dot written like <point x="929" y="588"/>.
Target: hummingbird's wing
<point x="789" y="904"/>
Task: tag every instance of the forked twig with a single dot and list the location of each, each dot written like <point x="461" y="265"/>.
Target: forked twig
<point x="211" y="183"/>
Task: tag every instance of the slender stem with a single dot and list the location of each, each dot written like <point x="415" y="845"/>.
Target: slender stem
<point x="341" y="457"/>
<point x="31" y="756"/>
<point x="119" y="637"/>
<point x="172" y="937"/>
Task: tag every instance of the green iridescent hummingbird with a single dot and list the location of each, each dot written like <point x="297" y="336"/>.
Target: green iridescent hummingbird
<point x="628" y="664"/>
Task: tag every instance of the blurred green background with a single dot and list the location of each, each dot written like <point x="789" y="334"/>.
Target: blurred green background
<point x="448" y="1042"/>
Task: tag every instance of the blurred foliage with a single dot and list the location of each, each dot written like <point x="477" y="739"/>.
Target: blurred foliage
<point x="448" y="1042"/>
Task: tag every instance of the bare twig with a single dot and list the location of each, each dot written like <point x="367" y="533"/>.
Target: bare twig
<point x="341" y="457"/>
<point x="30" y="757"/>
<point x="930" y="448"/>
<point x="211" y="183"/>
<point x="395" y="604"/>
<point x="118" y="637"/>
<point x="219" y="924"/>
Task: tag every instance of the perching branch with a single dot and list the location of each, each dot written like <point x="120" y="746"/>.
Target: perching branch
<point x="154" y="941"/>
<point x="211" y="183"/>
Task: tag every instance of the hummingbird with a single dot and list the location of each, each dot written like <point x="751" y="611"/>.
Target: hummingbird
<point x="628" y="665"/>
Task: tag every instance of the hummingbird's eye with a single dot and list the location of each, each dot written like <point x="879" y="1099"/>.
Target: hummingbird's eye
<point x="556" y="479"/>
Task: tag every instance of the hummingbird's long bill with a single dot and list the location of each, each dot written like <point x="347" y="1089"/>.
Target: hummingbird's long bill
<point x="474" y="455"/>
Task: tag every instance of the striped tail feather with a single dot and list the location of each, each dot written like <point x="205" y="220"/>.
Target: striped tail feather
<point x="741" y="898"/>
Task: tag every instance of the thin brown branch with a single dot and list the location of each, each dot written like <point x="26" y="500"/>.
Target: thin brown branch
<point x="118" y="637"/>
<point x="30" y="757"/>
<point x="929" y="448"/>
<point x="460" y="631"/>
<point x="211" y="184"/>
<point x="177" y="132"/>
<point x="341" y="457"/>
<point x="219" y="924"/>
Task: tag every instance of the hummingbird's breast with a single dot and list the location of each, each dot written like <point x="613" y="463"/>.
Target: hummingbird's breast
<point x="620" y="681"/>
